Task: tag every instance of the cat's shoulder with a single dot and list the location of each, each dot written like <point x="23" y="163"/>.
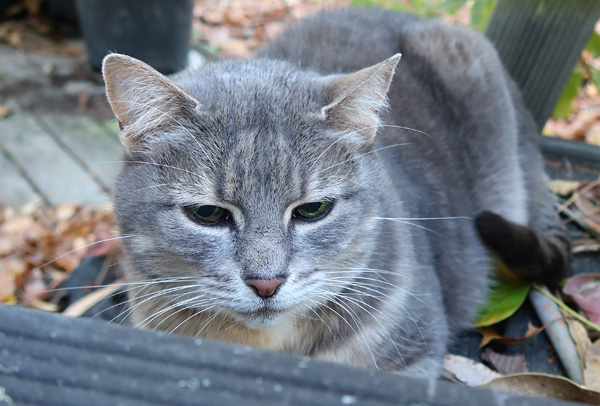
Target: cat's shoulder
<point x="460" y="56"/>
<point x="456" y="59"/>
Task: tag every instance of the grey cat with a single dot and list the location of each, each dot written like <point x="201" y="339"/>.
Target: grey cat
<point x="286" y="203"/>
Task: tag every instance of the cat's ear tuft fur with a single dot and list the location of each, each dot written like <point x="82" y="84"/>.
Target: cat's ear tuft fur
<point x="142" y="98"/>
<point x="357" y="98"/>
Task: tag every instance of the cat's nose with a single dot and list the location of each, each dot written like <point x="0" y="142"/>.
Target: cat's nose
<point x="265" y="287"/>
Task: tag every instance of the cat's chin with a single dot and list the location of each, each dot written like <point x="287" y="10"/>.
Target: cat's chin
<point x="261" y="320"/>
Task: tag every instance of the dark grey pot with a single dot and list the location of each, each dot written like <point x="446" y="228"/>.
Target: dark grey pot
<point x="154" y="31"/>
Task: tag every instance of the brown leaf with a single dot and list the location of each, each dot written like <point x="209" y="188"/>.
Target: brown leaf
<point x="235" y="16"/>
<point x="490" y="335"/>
<point x="544" y="385"/>
<point x="591" y="372"/>
<point x="584" y="289"/>
<point x="35" y="288"/>
<point x="563" y="187"/>
<point x="505" y="364"/>
<point x="588" y="203"/>
<point x="467" y="371"/>
<point x="42" y="305"/>
<point x="586" y="246"/>
<point x="7" y="284"/>
<point x="580" y="338"/>
<point x="85" y="303"/>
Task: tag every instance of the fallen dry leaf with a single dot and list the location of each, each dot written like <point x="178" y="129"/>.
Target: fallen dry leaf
<point x="591" y="372"/>
<point x="584" y="289"/>
<point x="589" y="354"/>
<point x="467" y="371"/>
<point x="505" y="364"/>
<point x="87" y="302"/>
<point x="580" y="338"/>
<point x="490" y="335"/>
<point x="586" y="246"/>
<point x="563" y="187"/>
<point x="588" y="203"/>
<point x="40" y="246"/>
<point x="7" y="286"/>
<point x="544" y="385"/>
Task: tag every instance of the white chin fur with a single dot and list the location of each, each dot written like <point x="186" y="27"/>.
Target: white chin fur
<point x="260" y="320"/>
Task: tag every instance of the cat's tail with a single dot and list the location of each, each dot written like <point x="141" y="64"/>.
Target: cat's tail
<point x="540" y="253"/>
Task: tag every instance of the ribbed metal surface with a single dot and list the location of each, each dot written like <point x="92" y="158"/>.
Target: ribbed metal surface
<point x="539" y="42"/>
<point x="48" y="359"/>
<point x="577" y="153"/>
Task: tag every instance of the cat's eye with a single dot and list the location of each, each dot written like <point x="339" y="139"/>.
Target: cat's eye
<point x="312" y="211"/>
<point x="207" y="214"/>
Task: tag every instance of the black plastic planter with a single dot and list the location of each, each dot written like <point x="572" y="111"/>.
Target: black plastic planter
<point x="154" y="31"/>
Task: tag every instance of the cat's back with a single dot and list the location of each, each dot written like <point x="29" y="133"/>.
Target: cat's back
<point x="349" y="39"/>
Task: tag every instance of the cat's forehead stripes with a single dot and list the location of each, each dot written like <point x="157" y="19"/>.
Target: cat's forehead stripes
<point x="270" y="168"/>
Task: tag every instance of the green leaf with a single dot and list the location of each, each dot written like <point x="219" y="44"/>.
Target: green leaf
<point x="481" y="12"/>
<point x="595" y="77"/>
<point x="593" y="44"/>
<point x="452" y="5"/>
<point x="564" y="106"/>
<point x="506" y="296"/>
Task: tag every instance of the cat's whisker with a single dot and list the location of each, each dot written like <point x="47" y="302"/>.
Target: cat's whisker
<point x="376" y="319"/>
<point x="164" y="185"/>
<point x="422" y="218"/>
<point x="181" y="306"/>
<point x="358" y="323"/>
<point x="358" y="285"/>
<point x="400" y="127"/>
<point x="207" y="323"/>
<point x="195" y="312"/>
<point x="324" y="323"/>
<point x="175" y="120"/>
<point x="85" y="246"/>
<point x="180" y="303"/>
<point x="158" y="294"/>
<point x="413" y="225"/>
<point x="134" y="297"/>
<point x="349" y="180"/>
<point x="351" y="289"/>
<point x="124" y="288"/>
<point x="358" y="281"/>
<point x="347" y="134"/>
<point x="358" y="270"/>
<point x="129" y="284"/>
<point x="364" y="154"/>
<point x="350" y="133"/>
<point x="163" y="166"/>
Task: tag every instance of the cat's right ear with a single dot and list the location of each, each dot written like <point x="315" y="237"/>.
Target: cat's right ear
<point x="142" y="98"/>
<point x="356" y="99"/>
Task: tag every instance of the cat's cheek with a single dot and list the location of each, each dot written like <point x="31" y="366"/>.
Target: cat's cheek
<point x="334" y="237"/>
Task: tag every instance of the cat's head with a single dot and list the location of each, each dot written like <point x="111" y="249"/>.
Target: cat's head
<point x="251" y="185"/>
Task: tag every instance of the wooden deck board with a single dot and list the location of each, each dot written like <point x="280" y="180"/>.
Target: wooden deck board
<point x="97" y="149"/>
<point x="52" y="170"/>
<point x="14" y="190"/>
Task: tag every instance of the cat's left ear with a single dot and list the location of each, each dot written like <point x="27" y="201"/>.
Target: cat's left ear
<point x="142" y="98"/>
<point x="357" y="98"/>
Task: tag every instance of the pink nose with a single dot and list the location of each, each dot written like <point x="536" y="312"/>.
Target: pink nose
<point x="265" y="288"/>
